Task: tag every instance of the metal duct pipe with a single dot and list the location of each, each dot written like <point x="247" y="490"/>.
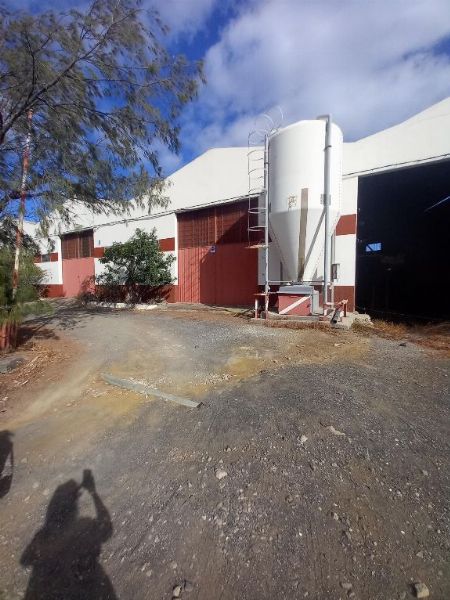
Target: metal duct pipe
<point x="326" y="201"/>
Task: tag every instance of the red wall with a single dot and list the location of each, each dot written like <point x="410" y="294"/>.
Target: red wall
<point x="78" y="276"/>
<point x="215" y="264"/>
<point x="225" y="277"/>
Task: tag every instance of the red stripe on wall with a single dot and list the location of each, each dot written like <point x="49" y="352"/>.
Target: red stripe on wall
<point x="52" y="290"/>
<point x="99" y="252"/>
<point x="346" y="225"/>
<point x="52" y="257"/>
<point x="167" y="244"/>
<point x="345" y="292"/>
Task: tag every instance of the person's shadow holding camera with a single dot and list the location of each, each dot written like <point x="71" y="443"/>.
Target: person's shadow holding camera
<point x="65" y="553"/>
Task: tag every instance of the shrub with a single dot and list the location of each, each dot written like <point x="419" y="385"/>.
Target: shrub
<point x="135" y="266"/>
<point x="27" y="298"/>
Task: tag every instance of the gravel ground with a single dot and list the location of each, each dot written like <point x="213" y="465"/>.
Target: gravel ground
<point x="317" y="466"/>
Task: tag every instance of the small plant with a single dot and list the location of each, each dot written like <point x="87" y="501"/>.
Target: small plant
<point x="134" y="267"/>
<point x="27" y="301"/>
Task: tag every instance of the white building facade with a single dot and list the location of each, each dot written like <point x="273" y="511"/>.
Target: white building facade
<point x="205" y="223"/>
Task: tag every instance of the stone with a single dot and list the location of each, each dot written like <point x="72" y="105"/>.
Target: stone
<point x="188" y="587"/>
<point x="303" y="439"/>
<point x="10" y="363"/>
<point x="334" y="431"/>
<point x="420" y="554"/>
<point x="346" y="586"/>
<point x="335" y="516"/>
<point x="221" y="473"/>
<point x="421" y="590"/>
<point x="176" y="592"/>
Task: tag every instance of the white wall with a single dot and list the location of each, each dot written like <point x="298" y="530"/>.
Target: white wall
<point x="345" y="245"/>
<point x="349" y="204"/>
<point x="51" y="271"/>
<point x="106" y="235"/>
<point x="217" y="175"/>
<point x="425" y="136"/>
<point x="345" y="256"/>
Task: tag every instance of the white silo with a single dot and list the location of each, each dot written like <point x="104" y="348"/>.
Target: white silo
<point x="296" y="157"/>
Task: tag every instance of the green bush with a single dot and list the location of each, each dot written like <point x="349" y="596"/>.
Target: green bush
<point x="27" y="297"/>
<point x="134" y="264"/>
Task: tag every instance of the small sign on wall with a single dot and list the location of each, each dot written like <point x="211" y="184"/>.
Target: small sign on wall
<point x="212" y="249"/>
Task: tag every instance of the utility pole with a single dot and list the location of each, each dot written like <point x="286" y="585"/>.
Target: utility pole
<point x="21" y="211"/>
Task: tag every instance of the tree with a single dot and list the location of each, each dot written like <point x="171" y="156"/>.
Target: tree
<point x="31" y="276"/>
<point x="137" y="262"/>
<point x="26" y="299"/>
<point x="101" y="92"/>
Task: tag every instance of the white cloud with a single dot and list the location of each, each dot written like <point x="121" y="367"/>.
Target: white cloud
<point x="184" y="16"/>
<point x="370" y="63"/>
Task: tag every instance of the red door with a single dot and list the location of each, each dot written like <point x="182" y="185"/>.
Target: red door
<point x="78" y="263"/>
<point x="215" y="265"/>
<point x="78" y="276"/>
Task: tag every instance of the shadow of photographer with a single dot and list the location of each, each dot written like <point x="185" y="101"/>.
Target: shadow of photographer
<point x="64" y="554"/>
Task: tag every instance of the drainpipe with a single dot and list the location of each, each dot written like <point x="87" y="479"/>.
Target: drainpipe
<point x="326" y="201"/>
<point x="266" y="228"/>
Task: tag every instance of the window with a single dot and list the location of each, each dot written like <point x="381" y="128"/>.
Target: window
<point x="77" y="245"/>
<point x="373" y="247"/>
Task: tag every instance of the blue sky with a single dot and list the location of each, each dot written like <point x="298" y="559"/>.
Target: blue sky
<point x="371" y="63"/>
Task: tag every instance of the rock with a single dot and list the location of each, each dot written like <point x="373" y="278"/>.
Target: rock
<point x="420" y="554"/>
<point x="346" y="586"/>
<point x="334" y="431"/>
<point x="10" y="363"/>
<point x="176" y="592"/>
<point x="402" y="344"/>
<point x="421" y="590"/>
<point x="303" y="439"/>
<point x="335" y="516"/>
<point x="289" y="498"/>
<point x="347" y="535"/>
<point x="188" y="587"/>
<point x="221" y="473"/>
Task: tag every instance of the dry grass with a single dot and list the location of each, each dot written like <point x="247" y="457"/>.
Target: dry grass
<point x="293" y="324"/>
<point x="435" y="336"/>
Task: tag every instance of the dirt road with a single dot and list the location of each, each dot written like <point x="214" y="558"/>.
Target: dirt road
<point x="317" y="466"/>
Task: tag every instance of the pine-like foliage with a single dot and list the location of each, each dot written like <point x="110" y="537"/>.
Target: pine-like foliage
<point x="104" y="93"/>
<point x="27" y="300"/>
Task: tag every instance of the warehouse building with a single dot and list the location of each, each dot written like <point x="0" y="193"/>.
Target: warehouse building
<point x="390" y="243"/>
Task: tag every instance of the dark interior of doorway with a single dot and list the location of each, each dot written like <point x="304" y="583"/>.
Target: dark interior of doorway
<point x="403" y="243"/>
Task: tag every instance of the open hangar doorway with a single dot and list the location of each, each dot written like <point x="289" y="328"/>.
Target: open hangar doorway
<point x="403" y="243"/>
